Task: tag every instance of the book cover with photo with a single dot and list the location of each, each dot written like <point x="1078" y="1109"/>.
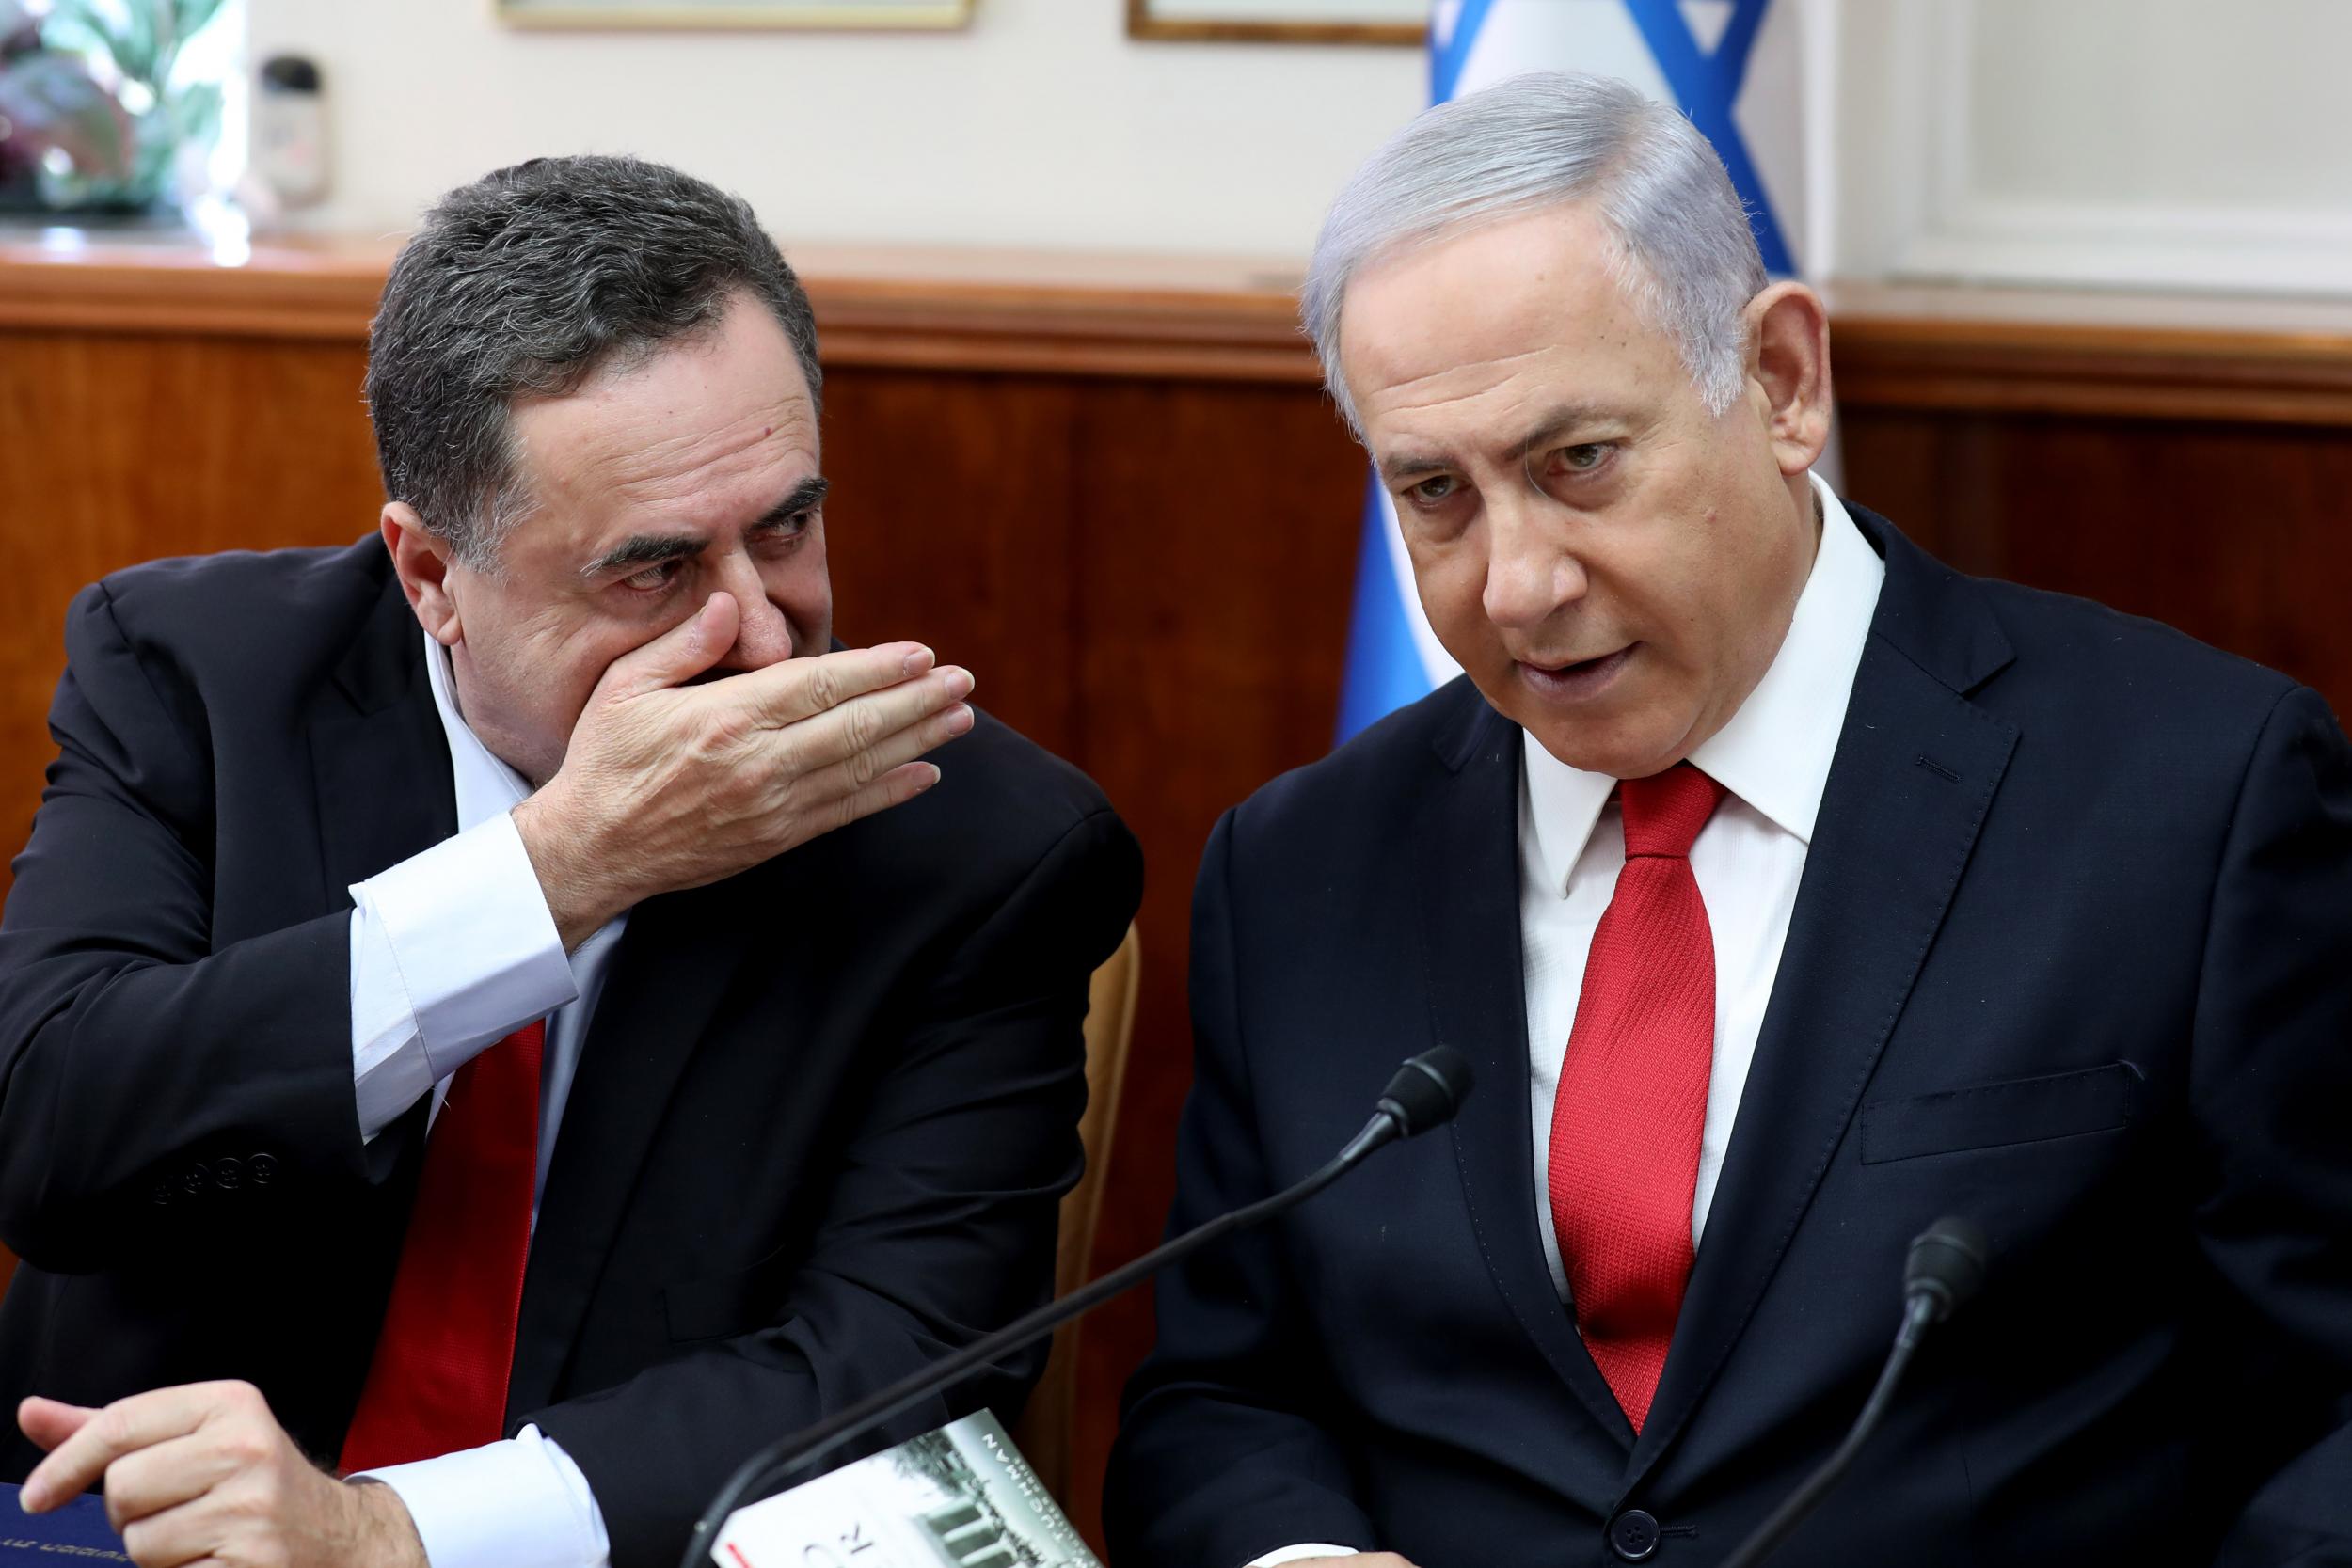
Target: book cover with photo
<point x="958" y="1497"/>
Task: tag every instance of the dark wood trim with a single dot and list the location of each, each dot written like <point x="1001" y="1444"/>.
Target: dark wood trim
<point x="1953" y="349"/>
<point x="943" y="309"/>
<point x="286" y="290"/>
<point x="2278" y="362"/>
<point x="1237" y="337"/>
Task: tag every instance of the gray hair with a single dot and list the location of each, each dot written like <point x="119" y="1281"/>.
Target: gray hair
<point x="1683" y="247"/>
<point x="530" y="282"/>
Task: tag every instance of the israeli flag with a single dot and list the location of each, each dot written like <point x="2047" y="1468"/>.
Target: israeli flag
<point x="1737" y="68"/>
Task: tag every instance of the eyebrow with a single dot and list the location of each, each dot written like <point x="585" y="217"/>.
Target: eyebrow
<point x="641" y="550"/>
<point x="1562" y="417"/>
<point x="804" y="496"/>
<point x="1404" y="463"/>
<point x="1558" y="418"/>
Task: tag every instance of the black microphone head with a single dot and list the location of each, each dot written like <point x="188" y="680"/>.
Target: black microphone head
<point x="1946" y="1265"/>
<point x="1427" y="1090"/>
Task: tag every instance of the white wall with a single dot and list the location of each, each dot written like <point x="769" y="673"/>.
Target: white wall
<point x="2207" y="102"/>
<point x="2154" y="142"/>
<point x="1043" y="126"/>
<point x="2170" y="143"/>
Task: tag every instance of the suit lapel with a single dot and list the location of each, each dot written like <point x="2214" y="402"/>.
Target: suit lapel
<point x="378" y="756"/>
<point x="1468" y="884"/>
<point x="1915" y="771"/>
<point x="382" y="768"/>
<point x="668" y="980"/>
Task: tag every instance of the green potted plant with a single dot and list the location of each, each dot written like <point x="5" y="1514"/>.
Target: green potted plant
<point x="98" y="116"/>
<point x="53" y="116"/>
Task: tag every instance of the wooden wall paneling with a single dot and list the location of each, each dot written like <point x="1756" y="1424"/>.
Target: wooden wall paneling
<point x="116" y="449"/>
<point x="1217" y="549"/>
<point x="949" y="523"/>
<point x="2233" y="533"/>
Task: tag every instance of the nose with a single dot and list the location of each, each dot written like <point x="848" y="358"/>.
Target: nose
<point x="1530" y="574"/>
<point x="762" y="635"/>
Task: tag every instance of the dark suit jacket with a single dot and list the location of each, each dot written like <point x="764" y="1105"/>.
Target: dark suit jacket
<point x="819" y="1126"/>
<point x="2072" y="956"/>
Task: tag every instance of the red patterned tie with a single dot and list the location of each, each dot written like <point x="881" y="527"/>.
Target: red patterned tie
<point x="439" y="1380"/>
<point x="1625" y="1130"/>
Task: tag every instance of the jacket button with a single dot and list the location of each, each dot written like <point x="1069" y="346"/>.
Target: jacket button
<point x="228" y="1174"/>
<point x="195" y="1181"/>
<point x="263" y="1168"/>
<point x="162" y="1192"/>
<point x="1634" y="1535"/>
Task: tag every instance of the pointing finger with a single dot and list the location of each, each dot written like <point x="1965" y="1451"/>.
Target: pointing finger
<point x="50" y="1422"/>
<point x="123" y="1427"/>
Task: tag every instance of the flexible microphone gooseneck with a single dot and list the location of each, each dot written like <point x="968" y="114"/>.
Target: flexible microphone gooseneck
<point x="1944" y="1268"/>
<point x="1426" y="1092"/>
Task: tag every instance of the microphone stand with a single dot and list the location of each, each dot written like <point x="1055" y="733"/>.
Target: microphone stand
<point x="1403" y="1111"/>
<point x="1944" y="1272"/>
<point x="1918" y="1312"/>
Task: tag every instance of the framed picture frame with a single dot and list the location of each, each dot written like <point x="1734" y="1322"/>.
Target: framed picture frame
<point x="1403" y="23"/>
<point x="842" y="15"/>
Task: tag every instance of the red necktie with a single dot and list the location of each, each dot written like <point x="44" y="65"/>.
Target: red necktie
<point x="439" y="1380"/>
<point x="1625" y="1130"/>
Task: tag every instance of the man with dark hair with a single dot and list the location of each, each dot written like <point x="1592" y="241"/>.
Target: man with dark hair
<point x="531" y="1060"/>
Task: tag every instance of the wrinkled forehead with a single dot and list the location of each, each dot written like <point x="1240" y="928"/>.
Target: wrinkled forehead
<point x="692" y="414"/>
<point x="1496" y="319"/>
<point x="701" y="440"/>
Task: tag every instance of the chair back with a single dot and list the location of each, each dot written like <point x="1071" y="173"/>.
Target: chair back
<point x="1046" y="1426"/>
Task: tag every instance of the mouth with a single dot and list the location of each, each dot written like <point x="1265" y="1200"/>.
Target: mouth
<point x="1579" y="680"/>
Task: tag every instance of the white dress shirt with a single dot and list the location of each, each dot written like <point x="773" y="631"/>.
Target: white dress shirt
<point x="453" y="950"/>
<point x="1773" y="759"/>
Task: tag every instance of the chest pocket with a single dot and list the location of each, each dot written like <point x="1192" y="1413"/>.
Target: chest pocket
<point x="1994" y="1116"/>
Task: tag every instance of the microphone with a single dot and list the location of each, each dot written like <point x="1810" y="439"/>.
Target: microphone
<point x="1426" y="1092"/>
<point x="1944" y="1268"/>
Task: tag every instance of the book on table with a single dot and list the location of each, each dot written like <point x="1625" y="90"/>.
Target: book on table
<point x="78" y="1532"/>
<point x="961" y="1497"/>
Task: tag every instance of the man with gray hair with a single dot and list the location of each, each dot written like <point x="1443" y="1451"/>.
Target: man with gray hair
<point x="509" y="1009"/>
<point x="1787" y="891"/>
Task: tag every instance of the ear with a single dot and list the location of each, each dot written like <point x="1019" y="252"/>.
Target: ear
<point x="1788" y="334"/>
<point x="425" y="562"/>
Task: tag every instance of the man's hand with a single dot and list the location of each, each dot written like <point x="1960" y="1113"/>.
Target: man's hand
<point x="204" y="1474"/>
<point x="666" y="785"/>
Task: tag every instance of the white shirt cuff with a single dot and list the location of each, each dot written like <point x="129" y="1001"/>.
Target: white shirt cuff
<point x="521" y="1503"/>
<point x="1272" y="1560"/>
<point x="388" y="1067"/>
<point x="451" y="950"/>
